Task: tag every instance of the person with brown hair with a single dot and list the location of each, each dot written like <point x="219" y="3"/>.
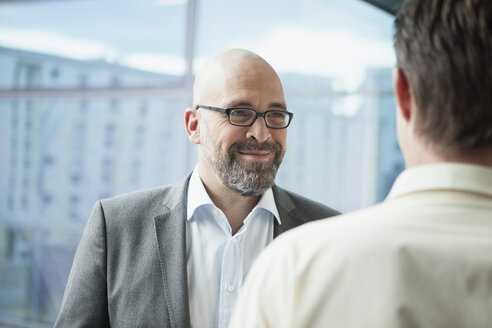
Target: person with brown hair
<point x="423" y="257"/>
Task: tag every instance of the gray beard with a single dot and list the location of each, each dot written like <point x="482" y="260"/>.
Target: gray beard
<point x="245" y="178"/>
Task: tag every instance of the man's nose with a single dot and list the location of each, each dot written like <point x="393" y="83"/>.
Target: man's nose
<point x="259" y="131"/>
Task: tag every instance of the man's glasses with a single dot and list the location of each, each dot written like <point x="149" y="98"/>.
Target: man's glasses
<point x="274" y="119"/>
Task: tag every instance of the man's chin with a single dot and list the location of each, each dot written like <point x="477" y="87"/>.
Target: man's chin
<point x="251" y="166"/>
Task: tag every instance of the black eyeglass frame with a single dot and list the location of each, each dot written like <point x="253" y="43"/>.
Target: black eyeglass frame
<point x="257" y="114"/>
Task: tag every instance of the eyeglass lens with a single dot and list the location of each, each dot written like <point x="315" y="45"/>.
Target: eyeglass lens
<point x="245" y="116"/>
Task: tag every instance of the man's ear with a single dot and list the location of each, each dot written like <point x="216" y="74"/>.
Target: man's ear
<point x="403" y="93"/>
<point x="191" y="125"/>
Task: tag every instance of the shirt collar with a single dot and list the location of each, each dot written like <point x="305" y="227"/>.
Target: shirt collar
<point x="443" y="176"/>
<point x="267" y="202"/>
<point x="198" y="196"/>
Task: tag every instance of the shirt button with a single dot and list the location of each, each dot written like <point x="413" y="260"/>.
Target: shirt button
<point x="234" y="240"/>
<point x="215" y="211"/>
<point x="230" y="288"/>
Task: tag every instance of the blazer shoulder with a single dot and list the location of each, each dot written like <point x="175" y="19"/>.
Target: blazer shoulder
<point x="308" y="207"/>
<point x="148" y="202"/>
<point x="142" y="197"/>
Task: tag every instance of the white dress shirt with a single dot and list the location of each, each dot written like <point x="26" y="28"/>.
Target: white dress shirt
<point x="422" y="258"/>
<point x="218" y="261"/>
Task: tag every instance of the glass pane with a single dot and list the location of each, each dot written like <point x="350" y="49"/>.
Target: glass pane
<point x="335" y="59"/>
<point x="86" y="43"/>
<point x="61" y="154"/>
<point x="58" y="157"/>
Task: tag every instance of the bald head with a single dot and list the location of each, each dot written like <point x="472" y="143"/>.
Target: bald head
<point x="236" y="69"/>
<point x="238" y="157"/>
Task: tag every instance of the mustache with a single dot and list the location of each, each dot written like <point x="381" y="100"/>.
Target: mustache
<point x="254" y="145"/>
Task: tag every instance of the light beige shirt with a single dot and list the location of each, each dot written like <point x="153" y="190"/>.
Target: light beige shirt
<point x="422" y="258"/>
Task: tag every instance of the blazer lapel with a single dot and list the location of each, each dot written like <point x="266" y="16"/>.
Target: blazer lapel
<point x="171" y="239"/>
<point x="285" y="208"/>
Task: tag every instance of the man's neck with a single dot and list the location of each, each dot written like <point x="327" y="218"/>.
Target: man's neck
<point x="234" y="206"/>
<point x="426" y="155"/>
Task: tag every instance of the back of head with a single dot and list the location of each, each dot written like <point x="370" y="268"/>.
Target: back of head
<point x="444" y="47"/>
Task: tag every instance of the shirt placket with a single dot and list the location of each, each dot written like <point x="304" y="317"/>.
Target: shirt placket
<point x="231" y="276"/>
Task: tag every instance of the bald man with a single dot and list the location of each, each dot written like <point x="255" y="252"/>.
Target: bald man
<point x="176" y="256"/>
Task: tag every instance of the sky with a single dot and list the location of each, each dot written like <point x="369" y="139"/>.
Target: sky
<point x="320" y="37"/>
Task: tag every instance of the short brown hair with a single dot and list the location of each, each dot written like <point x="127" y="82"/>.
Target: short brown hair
<point x="444" y="47"/>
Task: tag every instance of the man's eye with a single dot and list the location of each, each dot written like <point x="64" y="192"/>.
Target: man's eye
<point x="241" y="113"/>
<point x="276" y="114"/>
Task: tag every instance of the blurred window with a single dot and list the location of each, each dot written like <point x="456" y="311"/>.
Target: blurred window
<point x="92" y="95"/>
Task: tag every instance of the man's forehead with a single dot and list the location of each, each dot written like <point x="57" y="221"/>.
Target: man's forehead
<point x="230" y="73"/>
<point x="238" y="70"/>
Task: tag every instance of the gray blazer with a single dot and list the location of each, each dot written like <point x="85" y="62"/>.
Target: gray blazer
<point x="130" y="266"/>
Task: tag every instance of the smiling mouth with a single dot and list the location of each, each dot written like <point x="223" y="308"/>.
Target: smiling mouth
<point x="256" y="155"/>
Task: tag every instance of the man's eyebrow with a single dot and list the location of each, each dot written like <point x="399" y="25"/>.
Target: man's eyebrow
<point x="234" y="104"/>
<point x="278" y="106"/>
<point x="275" y="105"/>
